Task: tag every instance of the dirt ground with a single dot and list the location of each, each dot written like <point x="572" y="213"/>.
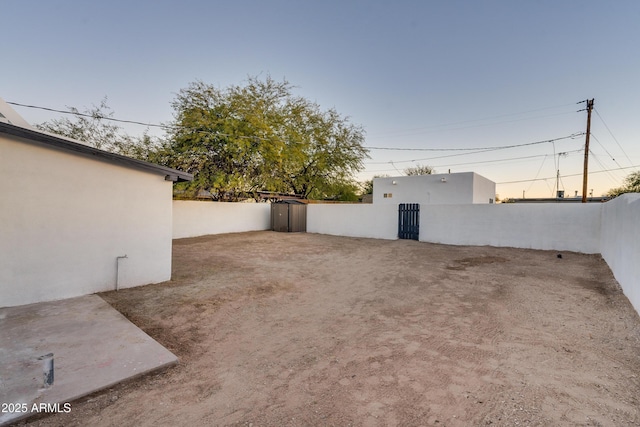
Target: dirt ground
<point x="288" y="329"/>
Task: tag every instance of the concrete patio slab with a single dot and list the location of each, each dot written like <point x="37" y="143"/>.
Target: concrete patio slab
<point x="93" y="346"/>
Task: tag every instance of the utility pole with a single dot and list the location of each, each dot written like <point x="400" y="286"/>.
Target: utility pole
<point x="586" y="150"/>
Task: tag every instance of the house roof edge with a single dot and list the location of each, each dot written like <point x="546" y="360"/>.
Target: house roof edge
<point x="71" y="146"/>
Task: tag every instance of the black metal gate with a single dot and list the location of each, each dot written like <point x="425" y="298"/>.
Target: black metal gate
<point x="409" y="221"/>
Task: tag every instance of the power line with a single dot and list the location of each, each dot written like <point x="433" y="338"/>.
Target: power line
<point x="77" y="113"/>
<point x="426" y="158"/>
<point x="394" y="166"/>
<point x="605" y="150"/>
<point x="419" y="130"/>
<point x="501" y="160"/>
<point x="468" y="127"/>
<point x="479" y="150"/>
<point x="501" y="147"/>
<point x="163" y="126"/>
<point x="538" y="173"/>
<point x="468" y="150"/>
<point x="612" y="135"/>
<point x="447" y="165"/>
<point x="167" y="127"/>
<point x="595" y="157"/>
<point x="575" y="174"/>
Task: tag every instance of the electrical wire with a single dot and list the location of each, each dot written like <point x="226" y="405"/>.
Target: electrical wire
<point x="471" y="127"/>
<point x="501" y="147"/>
<point x="468" y="150"/>
<point x="419" y="130"/>
<point x="611" y="175"/>
<point x="605" y="150"/>
<point x="566" y="176"/>
<point x="163" y="126"/>
<point x="461" y="154"/>
<point x="538" y="173"/>
<point x="166" y="127"/>
<point x="506" y="160"/>
<point x="426" y="158"/>
<point x="77" y="113"/>
<point x="612" y="135"/>
<point x="394" y="166"/>
<point x="499" y="160"/>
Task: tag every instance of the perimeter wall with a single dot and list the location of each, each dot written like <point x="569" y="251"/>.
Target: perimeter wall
<point x="611" y="229"/>
<point x="353" y="220"/>
<point x="574" y="227"/>
<point x="620" y="243"/>
<point x="193" y="218"/>
<point x="549" y="226"/>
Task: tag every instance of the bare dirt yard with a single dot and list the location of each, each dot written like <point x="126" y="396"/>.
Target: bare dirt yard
<point x="287" y="329"/>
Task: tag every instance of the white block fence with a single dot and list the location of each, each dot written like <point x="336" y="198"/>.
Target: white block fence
<point x="620" y="243"/>
<point x="193" y="218"/>
<point x="611" y="229"/>
<point x="549" y="226"/>
<point x="353" y="220"/>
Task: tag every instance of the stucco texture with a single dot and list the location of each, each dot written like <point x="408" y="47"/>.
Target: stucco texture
<point x="67" y="217"/>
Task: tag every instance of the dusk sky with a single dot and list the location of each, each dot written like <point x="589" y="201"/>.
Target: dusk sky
<point x="415" y="74"/>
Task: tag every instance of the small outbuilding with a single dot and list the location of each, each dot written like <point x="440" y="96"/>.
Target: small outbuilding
<point x="76" y="220"/>
<point x="289" y="216"/>
<point x="436" y="189"/>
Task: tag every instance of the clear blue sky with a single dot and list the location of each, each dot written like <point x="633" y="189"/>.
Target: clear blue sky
<point x="414" y="74"/>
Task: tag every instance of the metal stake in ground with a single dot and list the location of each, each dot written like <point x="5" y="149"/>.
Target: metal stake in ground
<point x="47" y="369"/>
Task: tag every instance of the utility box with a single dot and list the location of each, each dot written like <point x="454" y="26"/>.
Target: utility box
<point x="289" y="216"/>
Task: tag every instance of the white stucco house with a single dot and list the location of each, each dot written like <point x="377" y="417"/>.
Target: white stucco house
<point x="75" y="220"/>
<point x="436" y="189"/>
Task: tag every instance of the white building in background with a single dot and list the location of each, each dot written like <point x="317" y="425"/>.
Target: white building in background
<point x="437" y="189"/>
<point x="75" y="220"/>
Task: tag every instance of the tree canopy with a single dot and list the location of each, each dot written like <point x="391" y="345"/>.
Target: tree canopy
<point x="92" y="127"/>
<point x="259" y="136"/>
<point x="240" y="140"/>
<point x="631" y="184"/>
<point x="419" y="170"/>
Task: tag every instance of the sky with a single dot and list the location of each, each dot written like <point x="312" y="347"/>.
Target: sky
<point x="446" y="84"/>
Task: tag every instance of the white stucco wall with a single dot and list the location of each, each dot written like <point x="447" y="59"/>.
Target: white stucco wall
<point x="199" y="218"/>
<point x="354" y="220"/>
<point x="65" y="218"/>
<point x="620" y="243"/>
<point x="541" y="226"/>
<point x="457" y="188"/>
<point x="572" y="227"/>
<point x="484" y="190"/>
<point x="612" y="228"/>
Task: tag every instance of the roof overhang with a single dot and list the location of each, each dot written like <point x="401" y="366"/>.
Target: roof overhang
<point x="77" y="147"/>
